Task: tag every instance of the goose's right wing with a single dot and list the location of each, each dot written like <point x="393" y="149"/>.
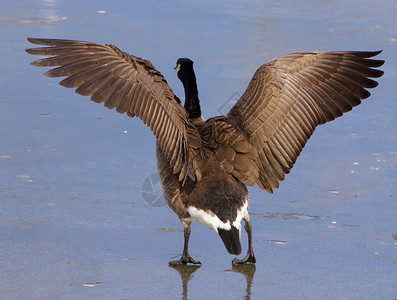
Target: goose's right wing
<point x="131" y="85"/>
<point x="291" y="95"/>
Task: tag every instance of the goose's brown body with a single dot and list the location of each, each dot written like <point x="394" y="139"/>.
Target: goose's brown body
<point x="215" y="183"/>
<point x="205" y="165"/>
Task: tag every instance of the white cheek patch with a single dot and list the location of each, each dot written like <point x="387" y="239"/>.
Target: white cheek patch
<point x="211" y="221"/>
<point x="178" y="67"/>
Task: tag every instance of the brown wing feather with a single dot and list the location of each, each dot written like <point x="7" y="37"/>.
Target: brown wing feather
<point x="131" y="85"/>
<point x="289" y="96"/>
<point x="233" y="151"/>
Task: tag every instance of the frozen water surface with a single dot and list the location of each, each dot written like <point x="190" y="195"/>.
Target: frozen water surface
<point x="74" y="222"/>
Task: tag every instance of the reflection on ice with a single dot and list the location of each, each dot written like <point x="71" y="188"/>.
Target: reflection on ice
<point x="186" y="273"/>
<point x="248" y="271"/>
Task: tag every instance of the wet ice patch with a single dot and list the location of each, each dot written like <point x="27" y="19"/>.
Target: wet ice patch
<point x="334" y="227"/>
<point x="44" y="20"/>
<point x="289" y="216"/>
<point x="335" y="192"/>
<point x="350" y="226"/>
<point x="278" y="242"/>
<point x="25" y="178"/>
<point x="93" y="283"/>
<point x="169" y="230"/>
<point x="24" y="224"/>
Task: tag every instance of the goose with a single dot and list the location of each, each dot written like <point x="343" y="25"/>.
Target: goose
<point x="205" y="165"/>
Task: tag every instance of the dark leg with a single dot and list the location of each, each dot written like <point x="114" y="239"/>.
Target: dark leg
<point x="186" y="258"/>
<point x="250" y="257"/>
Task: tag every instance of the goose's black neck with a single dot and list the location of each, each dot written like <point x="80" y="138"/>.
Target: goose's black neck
<point x="192" y="102"/>
<point x="188" y="78"/>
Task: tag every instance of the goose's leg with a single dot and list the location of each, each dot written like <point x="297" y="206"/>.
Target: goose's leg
<point x="186" y="258"/>
<point x="250" y="257"/>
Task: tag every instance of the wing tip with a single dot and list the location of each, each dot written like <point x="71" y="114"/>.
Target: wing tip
<point x="35" y="63"/>
<point x="38" y="41"/>
<point x="364" y="54"/>
<point x="54" y="42"/>
<point x="380" y="72"/>
<point x="369" y="55"/>
<point x="377" y="52"/>
<point x="372" y="53"/>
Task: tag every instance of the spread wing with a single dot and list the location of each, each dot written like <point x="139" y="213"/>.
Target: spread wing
<point x="131" y="85"/>
<point x="288" y="97"/>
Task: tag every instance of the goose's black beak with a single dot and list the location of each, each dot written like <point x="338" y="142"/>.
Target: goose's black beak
<point x="175" y="68"/>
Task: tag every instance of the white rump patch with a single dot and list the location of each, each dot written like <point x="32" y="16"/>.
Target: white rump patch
<point x="210" y="220"/>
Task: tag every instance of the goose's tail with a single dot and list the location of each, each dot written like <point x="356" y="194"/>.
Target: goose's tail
<point x="231" y="239"/>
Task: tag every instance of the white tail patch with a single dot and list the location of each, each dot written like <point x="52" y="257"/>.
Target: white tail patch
<point x="210" y="220"/>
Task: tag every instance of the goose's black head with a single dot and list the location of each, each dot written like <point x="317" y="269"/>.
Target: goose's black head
<point x="184" y="71"/>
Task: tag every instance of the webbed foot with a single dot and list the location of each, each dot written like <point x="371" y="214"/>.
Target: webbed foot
<point x="184" y="260"/>
<point x="249" y="258"/>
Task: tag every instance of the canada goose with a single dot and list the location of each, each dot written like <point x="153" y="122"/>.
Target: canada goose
<point x="205" y="165"/>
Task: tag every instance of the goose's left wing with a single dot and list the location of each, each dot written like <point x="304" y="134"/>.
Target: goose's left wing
<point x="131" y="85"/>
